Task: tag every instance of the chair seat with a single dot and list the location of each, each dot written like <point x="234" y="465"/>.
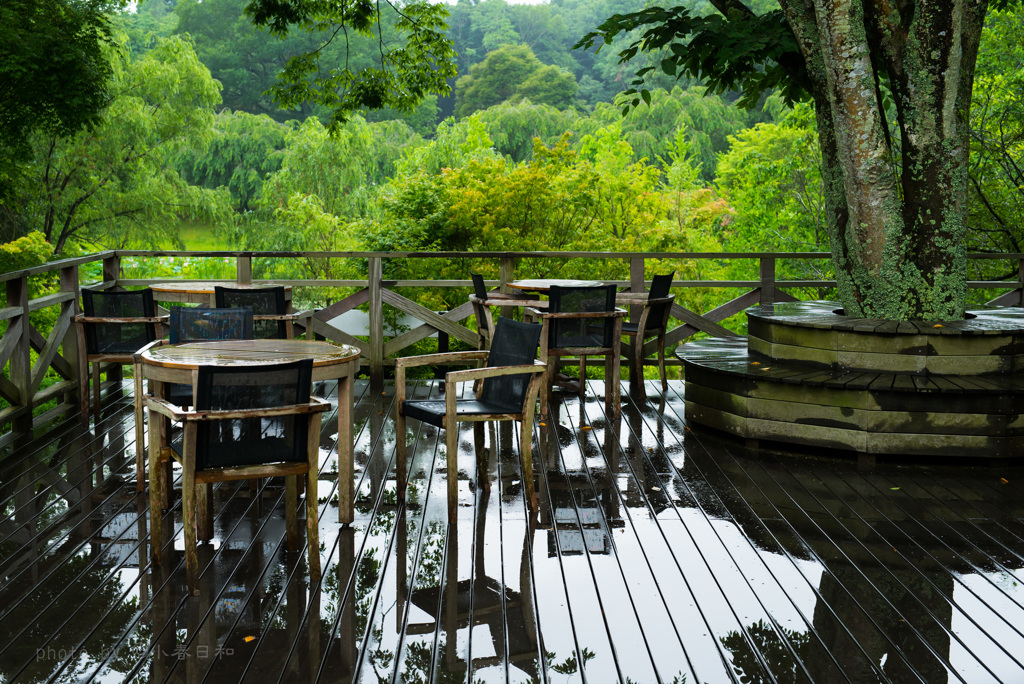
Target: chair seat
<point x="630" y="328"/>
<point x="432" y="411"/>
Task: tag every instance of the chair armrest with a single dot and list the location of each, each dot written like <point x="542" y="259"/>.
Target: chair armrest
<point x="165" y="408"/>
<point x="434" y="359"/>
<point x="149" y="345"/>
<point x="454" y="377"/>
<point x="442" y="358"/>
<point x="617" y="313"/>
<point x="79" y="318"/>
<point x="315" y="405"/>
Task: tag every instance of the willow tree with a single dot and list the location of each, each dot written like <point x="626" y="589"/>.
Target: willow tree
<point x="891" y="87"/>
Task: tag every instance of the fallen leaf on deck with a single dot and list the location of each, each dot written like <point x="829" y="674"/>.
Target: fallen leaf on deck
<point x="1004" y="480"/>
<point x="894" y="488"/>
<point x="586" y="427"/>
<point x="937" y="325"/>
<point x="249" y="638"/>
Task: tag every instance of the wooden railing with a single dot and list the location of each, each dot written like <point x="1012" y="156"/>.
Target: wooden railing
<point x="22" y="382"/>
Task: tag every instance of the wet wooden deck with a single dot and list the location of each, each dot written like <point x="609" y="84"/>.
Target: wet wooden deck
<point x="661" y="554"/>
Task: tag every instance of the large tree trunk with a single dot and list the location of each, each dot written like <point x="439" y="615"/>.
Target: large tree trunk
<point x="896" y="191"/>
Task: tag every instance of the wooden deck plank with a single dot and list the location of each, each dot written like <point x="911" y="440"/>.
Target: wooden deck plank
<point x="660" y="551"/>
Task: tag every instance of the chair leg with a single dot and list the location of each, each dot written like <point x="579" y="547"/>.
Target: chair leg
<point x="96" y="391"/>
<point x="615" y="390"/>
<point x="155" y="494"/>
<point x="526" y="449"/>
<point x="312" y="526"/>
<point x="637" y="363"/>
<point x="140" y="434"/>
<point x="204" y="511"/>
<point x="661" y="363"/>
<point x="482" y="474"/>
<point x="291" y="503"/>
<point x="452" y="440"/>
<point x="188" y="508"/>
<point x="400" y="454"/>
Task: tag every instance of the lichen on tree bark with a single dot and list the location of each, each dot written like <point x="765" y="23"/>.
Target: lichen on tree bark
<point x="895" y="185"/>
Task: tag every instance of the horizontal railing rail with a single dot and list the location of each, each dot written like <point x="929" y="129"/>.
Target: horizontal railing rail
<point x="40" y="359"/>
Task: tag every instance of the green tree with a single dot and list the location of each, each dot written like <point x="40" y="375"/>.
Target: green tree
<point x="413" y="55"/>
<point x="707" y="120"/>
<point x="243" y="58"/>
<point x="116" y="183"/>
<point x="242" y="151"/>
<point x="997" y="138"/>
<point x="772" y="177"/>
<point x="339" y="169"/>
<point x="54" y="75"/>
<point x="513" y="126"/>
<point x="895" y="176"/>
<point x="513" y="72"/>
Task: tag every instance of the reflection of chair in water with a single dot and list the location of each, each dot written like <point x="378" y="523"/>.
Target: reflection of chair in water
<point x="574" y="528"/>
<point x="509" y="616"/>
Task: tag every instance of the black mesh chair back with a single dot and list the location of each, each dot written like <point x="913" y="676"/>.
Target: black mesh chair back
<point x="514" y="344"/>
<point x="660" y="286"/>
<point x="200" y="324"/>
<point x="581" y="332"/>
<point x="256" y="440"/>
<point x="118" y="338"/>
<point x="479" y="288"/>
<point x="264" y="301"/>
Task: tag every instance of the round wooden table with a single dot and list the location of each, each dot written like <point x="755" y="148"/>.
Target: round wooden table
<point x="180" y="363"/>
<point x="196" y="292"/>
<point x="544" y="284"/>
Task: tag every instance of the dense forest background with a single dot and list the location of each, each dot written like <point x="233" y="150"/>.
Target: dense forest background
<point x="531" y="151"/>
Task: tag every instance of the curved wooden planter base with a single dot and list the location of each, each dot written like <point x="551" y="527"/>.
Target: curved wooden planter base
<point x="806" y="374"/>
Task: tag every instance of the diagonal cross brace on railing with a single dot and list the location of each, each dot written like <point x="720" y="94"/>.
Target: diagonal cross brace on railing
<point x="433" y="322"/>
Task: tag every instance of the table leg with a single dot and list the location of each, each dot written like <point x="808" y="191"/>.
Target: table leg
<point x="346" y="461"/>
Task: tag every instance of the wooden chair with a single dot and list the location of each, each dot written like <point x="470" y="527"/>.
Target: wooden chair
<point x="202" y="324"/>
<point x="482" y="301"/>
<point x="511" y="381"/>
<point x="272" y="321"/>
<point x="582" y="321"/>
<point x="249" y="422"/>
<point x="653" y="323"/>
<point x="187" y="324"/>
<point x="113" y="327"/>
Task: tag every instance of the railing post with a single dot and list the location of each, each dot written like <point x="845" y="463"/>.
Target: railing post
<point x="21" y="359"/>
<point x="767" y="280"/>
<point x="112" y="269"/>
<point x="375" y="274"/>
<point x="508" y="272"/>
<point x="507" y="275"/>
<point x="637" y="284"/>
<point x="69" y="283"/>
<point x="243" y="270"/>
<point x="1020" y="280"/>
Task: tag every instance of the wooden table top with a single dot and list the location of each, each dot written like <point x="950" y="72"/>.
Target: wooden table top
<point x="206" y="287"/>
<point x="248" y="353"/>
<point x="544" y="284"/>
